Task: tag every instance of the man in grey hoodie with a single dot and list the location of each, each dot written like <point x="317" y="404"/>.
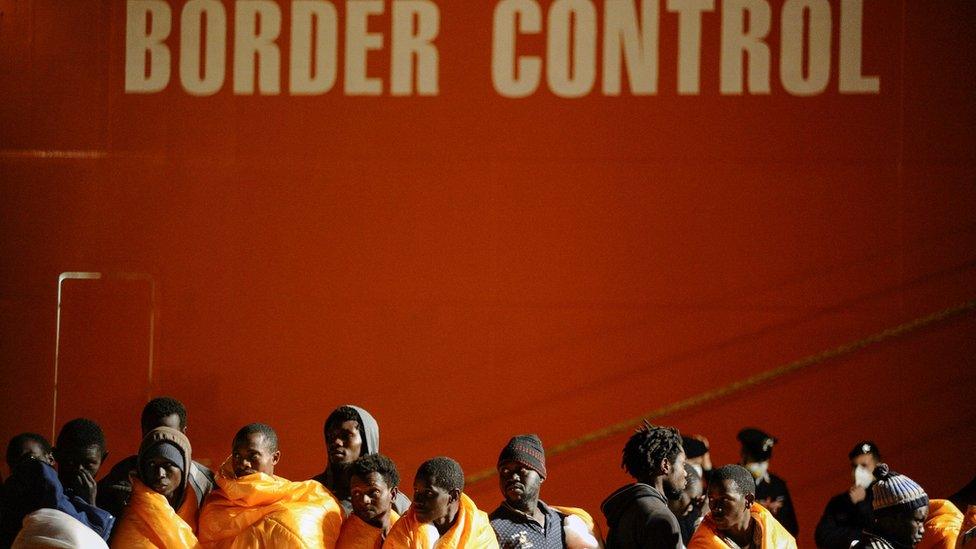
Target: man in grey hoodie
<point x="637" y="514"/>
<point x="350" y="432"/>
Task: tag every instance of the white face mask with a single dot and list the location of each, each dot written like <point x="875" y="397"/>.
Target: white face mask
<point x="698" y="469"/>
<point x="862" y="476"/>
<point x="758" y="470"/>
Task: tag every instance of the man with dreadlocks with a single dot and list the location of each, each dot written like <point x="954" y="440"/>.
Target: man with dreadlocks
<point x="637" y="514"/>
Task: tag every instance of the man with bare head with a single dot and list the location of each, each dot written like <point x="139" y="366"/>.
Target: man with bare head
<point x="254" y="508"/>
<point x="441" y="513"/>
<point x="735" y="518"/>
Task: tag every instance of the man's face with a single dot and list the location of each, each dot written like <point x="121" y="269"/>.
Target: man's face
<point x="678" y="476"/>
<point x="904" y="528"/>
<point x="864" y="460"/>
<point x="728" y="506"/>
<point x="71" y="461"/>
<point x="344" y="442"/>
<point x="430" y="502"/>
<point x="172" y="421"/>
<point x="254" y="455"/>
<point x="519" y="484"/>
<point x="688" y="499"/>
<point x="162" y="476"/>
<point x="31" y="449"/>
<point x="371" y="497"/>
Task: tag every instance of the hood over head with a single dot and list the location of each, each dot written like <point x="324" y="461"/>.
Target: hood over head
<point x="371" y="431"/>
<point x="174" y="438"/>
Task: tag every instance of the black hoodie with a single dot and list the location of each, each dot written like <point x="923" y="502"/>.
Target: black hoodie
<point x="639" y="518"/>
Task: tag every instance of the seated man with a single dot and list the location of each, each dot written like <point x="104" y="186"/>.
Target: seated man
<point x="252" y="508"/>
<point x="34" y="485"/>
<point x="114" y="490"/>
<point x="900" y="507"/>
<point x="79" y="452"/>
<point x="689" y="505"/>
<point x="848" y="513"/>
<point x="350" y="433"/>
<point x="523" y="518"/>
<point x="373" y="484"/>
<point x="28" y="446"/>
<point x="441" y="514"/>
<point x="735" y="519"/>
<point x="637" y="514"/>
<point x="162" y="511"/>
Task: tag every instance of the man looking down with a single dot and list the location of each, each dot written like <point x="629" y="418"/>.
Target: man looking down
<point x="522" y="518"/>
<point x="735" y="519"/>
<point x="441" y="515"/>
<point x="162" y="511"/>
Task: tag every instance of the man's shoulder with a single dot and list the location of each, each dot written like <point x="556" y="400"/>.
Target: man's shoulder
<point x="869" y="541"/>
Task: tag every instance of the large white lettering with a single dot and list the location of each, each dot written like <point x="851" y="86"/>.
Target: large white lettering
<point x="639" y="47"/>
<point x="155" y="15"/>
<point x="415" y="25"/>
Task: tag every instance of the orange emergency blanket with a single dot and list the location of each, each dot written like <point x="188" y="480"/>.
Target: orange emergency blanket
<point x="942" y="527"/>
<point x="471" y="529"/>
<point x="357" y="534"/>
<point x="262" y="510"/>
<point x="150" y="522"/>
<point x="773" y="535"/>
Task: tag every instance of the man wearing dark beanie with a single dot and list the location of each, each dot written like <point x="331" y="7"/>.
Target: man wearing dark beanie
<point x="900" y="508"/>
<point x="522" y="520"/>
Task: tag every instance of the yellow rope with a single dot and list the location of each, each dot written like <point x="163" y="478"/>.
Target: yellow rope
<point x="747" y="383"/>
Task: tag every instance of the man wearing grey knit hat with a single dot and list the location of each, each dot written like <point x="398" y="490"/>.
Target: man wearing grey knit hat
<point x="523" y="520"/>
<point x="900" y="508"/>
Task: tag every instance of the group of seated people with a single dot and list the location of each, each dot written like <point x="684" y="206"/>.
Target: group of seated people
<point x="161" y="498"/>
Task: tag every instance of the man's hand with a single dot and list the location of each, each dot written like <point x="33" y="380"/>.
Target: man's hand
<point x="84" y="486"/>
<point x="857" y="494"/>
<point x="121" y="491"/>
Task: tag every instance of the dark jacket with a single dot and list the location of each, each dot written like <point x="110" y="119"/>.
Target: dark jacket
<point x="776" y="490"/>
<point x="638" y="517"/>
<point x="34" y="485"/>
<point x="842" y="522"/>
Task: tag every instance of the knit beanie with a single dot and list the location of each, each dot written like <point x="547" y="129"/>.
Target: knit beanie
<point x="895" y="493"/>
<point x="166" y="450"/>
<point x="525" y="450"/>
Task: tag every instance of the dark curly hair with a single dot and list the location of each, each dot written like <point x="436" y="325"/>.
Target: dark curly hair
<point x="442" y="472"/>
<point x="379" y="464"/>
<point x="159" y="408"/>
<point x="739" y="475"/>
<point x="270" y="436"/>
<point x="15" y="445"/>
<point x="647" y="447"/>
<point x="81" y="433"/>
